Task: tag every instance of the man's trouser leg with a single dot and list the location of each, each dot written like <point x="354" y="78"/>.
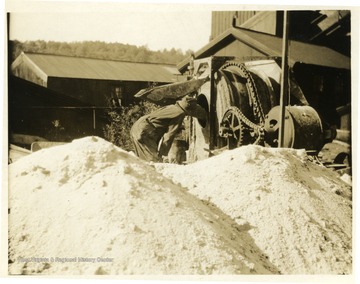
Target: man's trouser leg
<point x="145" y="140"/>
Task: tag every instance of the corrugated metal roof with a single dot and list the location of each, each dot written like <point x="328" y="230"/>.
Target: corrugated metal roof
<point x="271" y="45"/>
<point x="87" y="68"/>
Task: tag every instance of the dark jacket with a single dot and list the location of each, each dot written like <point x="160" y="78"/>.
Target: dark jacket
<point x="164" y="124"/>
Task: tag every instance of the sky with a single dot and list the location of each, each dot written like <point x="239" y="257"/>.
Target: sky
<point x="143" y="23"/>
<point x="157" y="26"/>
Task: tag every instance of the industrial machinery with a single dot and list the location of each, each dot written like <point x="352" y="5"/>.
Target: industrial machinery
<point x="242" y="99"/>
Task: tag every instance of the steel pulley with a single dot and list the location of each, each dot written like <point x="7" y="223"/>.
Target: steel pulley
<point x="303" y="128"/>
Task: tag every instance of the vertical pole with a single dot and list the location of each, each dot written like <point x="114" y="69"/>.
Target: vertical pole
<point x="190" y="118"/>
<point x="284" y="79"/>
<point x="94" y="119"/>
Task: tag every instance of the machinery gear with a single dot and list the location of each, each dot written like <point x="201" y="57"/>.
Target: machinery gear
<point x="239" y="130"/>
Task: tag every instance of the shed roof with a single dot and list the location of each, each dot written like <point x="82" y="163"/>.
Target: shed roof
<point x="271" y="45"/>
<point x="88" y="68"/>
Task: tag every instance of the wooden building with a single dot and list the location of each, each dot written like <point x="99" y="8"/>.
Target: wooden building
<point x="35" y="110"/>
<point x="61" y="98"/>
<point x="329" y="28"/>
<point x="92" y="81"/>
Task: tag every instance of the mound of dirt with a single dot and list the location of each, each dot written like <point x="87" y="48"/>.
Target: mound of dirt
<point x="298" y="213"/>
<point x="89" y="207"/>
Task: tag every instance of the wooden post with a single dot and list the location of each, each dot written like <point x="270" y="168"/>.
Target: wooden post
<point x="94" y="118"/>
<point x="284" y="80"/>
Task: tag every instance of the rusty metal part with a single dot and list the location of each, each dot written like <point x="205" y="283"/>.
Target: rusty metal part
<point x="303" y="128"/>
<point x="238" y="129"/>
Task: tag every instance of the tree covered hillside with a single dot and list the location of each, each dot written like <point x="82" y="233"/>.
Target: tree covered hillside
<point x="100" y="50"/>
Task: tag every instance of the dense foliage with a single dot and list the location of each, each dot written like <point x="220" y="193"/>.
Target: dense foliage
<point x="100" y="50"/>
<point x="121" y="120"/>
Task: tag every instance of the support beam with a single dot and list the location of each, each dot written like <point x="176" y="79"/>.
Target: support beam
<point x="284" y="101"/>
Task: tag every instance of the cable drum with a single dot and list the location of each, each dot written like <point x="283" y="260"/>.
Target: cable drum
<point x="239" y="105"/>
<point x="235" y="87"/>
<point x="224" y="97"/>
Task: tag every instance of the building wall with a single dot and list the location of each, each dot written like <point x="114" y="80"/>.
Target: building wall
<point x="238" y="49"/>
<point x="304" y="25"/>
<point x="265" y="21"/>
<point x="97" y="92"/>
<point x="26" y="72"/>
<point x="222" y="20"/>
<point x="54" y="123"/>
<point x="326" y="89"/>
<point x="35" y="110"/>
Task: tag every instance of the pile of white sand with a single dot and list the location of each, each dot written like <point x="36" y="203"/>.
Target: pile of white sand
<point x="296" y="212"/>
<point x="89" y="207"/>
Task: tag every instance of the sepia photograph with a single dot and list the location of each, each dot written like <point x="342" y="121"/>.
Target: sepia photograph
<point x="210" y="141"/>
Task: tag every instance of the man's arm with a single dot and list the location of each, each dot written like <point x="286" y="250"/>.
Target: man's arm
<point x="198" y="112"/>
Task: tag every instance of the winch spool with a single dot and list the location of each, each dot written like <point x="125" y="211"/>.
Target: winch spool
<point x="302" y="128"/>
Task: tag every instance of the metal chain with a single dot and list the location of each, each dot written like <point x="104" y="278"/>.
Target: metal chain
<point x="257" y="108"/>
<point x="244" y="119"/>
